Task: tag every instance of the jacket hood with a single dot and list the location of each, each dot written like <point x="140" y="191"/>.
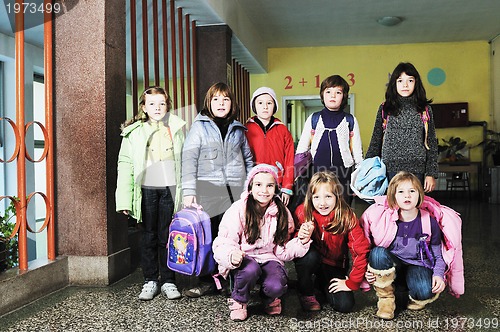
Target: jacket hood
<point x="174" y="122"/>
<point x="261" y="91"/>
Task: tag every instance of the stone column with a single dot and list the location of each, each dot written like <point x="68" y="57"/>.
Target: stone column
<point x="214" y="62"/>
<point x="90" y="80"/>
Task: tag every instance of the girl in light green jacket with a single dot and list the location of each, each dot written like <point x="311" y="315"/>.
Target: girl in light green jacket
<point x="149" y="184"/>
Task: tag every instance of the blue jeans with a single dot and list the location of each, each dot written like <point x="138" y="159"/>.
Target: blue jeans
<point x="272" y="276"/>
<point x="418" y="279"/>
<point x="310" y="265"/>
<point x="157" y="210"/>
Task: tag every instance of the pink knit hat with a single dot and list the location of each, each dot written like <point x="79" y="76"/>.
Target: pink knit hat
<point x="261" y="91"/>
<point x="261" y="168"/>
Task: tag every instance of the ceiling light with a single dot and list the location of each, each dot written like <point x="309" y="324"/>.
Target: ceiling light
<point x="389" y="21"/>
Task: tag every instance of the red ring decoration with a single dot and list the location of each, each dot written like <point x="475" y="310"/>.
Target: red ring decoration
<point x="16" y="132"/>
<point x="16" y="228"/>
<point x="45" y="137"/>
<point x="47" y="211"/>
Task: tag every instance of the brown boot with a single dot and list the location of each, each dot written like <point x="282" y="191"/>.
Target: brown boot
<point x="420" y="304"/>
<point x="385" y="292"/>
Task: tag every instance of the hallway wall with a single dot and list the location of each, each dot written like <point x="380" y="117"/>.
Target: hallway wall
<point x="466" y="66"/>
<point x="495" y="82"/>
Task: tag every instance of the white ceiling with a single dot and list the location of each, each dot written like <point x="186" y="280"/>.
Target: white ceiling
<point x="313" y="23"/>
<point x="261" y="24"/>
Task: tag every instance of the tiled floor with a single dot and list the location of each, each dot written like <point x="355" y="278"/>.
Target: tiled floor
<point x="116" y="308"/>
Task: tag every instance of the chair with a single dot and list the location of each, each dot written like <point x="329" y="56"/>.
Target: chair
<point x="458" y="181"/>
<point x="441" y="181"/>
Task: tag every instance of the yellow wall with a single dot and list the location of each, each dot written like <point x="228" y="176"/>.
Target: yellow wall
<point x="467" y="68"/>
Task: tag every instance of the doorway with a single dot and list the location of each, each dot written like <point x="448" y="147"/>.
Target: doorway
<point x="296" y="109"/>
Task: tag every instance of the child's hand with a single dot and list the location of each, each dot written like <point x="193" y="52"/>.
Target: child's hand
<point x="429" y="184"/>
<point x="438" y="284"/>
<point x="338" y="285"/>
<point x="188" y="201"/>
<point x="370" y="277"/>
<point x="237" y="257"/>
<point x="125" y="212"/>
<point x="305" y="231"/>
<point x="285" y="198"/>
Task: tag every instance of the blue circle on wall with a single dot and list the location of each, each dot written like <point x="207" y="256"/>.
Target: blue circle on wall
<point x="436" y="76"/>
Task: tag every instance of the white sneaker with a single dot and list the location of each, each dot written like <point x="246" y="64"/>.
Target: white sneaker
<point x="149" y="290"/>
<point x="170" y="291"/>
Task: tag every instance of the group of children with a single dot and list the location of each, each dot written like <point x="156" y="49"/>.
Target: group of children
<point x="243" y="177"/>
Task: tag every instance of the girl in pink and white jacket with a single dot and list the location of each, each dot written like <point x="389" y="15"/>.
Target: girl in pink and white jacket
<point x="254" y="241"/>
<point x="407" y="256"/>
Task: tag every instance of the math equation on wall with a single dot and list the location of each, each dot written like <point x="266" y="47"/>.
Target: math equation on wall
<point x="291" y="82"/>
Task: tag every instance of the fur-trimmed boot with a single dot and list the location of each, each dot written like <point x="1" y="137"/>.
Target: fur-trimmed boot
<point x="420" y="304"/>
<point x="385" y="292"/>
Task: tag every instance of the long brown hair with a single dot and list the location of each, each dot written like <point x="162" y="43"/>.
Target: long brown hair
<point x="344" y="218"/>
<point x="254" y="214"/>
<point x="141" y="116"/>
<point x="392" y="98"/>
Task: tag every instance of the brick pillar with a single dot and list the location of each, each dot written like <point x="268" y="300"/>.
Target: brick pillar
<point x="213" y="45"/>
<point x="89" y="107"/>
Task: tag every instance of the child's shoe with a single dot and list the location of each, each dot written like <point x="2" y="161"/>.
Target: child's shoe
<point x="309" y="303"/>
<point x="149" y="290"/>
<point x="202" y="289"/>
<point x="170" y="291"/>
<point x="420" y="304"/>
<point x="273" y="308"/>
<point x="238" y="310"/>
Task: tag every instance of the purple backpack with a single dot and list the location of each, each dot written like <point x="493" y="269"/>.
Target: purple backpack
<point x="190" y="243"/>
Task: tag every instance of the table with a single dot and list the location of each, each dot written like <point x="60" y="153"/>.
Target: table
<point x="473" y="168"/>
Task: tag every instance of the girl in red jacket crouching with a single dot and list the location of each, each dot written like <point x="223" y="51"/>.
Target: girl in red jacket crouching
<point x="336" y="230"/>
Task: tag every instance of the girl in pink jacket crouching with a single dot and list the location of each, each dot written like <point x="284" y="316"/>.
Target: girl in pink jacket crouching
<point x="254" y="241"/>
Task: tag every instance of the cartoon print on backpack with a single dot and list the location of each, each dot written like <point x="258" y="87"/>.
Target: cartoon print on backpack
<point x="180" y="248"/>
<point x="190" y="243"/>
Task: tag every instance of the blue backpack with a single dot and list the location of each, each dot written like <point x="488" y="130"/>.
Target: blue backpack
<point x="348" y="116"/>
<point x="190" y="243"/>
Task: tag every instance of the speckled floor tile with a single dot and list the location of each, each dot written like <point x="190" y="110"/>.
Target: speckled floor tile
<point x="117" y="308"/>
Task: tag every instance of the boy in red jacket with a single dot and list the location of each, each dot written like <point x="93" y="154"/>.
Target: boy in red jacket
<point x="269" y="139"/>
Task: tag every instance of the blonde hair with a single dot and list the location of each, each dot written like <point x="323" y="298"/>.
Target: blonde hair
<point x="396" y="181"/>
<point x="141" y="116"/>
<point x="344" y="218"/>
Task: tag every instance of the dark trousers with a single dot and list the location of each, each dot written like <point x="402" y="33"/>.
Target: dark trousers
<point x="157" y="210"/>
<point x="272" y="275"/>
<point x="215" y="200"/>
<point x="310" y="265"/>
